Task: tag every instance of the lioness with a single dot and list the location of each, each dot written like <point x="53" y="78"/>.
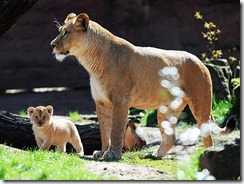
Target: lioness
<point x="56" y="132"/>
<point x="123" y="75"/>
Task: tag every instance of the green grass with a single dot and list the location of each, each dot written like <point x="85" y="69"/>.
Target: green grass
<point x="75" y="116"/>
<point x="176" y="169"/>
<point x="145" y="158"/>
<point x="187" y="170"/>
<point x="221" y="110"/>
<point x="22" y="113"/>
<point x="43" y="165"/>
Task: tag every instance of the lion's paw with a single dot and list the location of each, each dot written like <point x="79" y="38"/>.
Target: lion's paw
<point x="97" y="154"/>
<point x="111" y="155"/>
<point x="81" y="154"/>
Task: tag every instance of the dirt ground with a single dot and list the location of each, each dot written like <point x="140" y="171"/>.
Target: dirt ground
<point x="134" y="172"/>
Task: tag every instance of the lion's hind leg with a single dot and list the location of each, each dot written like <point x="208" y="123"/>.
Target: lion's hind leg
<point x="167" y="122"/>
<point x="201" y="110"/>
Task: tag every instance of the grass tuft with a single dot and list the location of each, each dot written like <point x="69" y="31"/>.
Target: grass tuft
<point x="75" y="116"/>
<point x="145" y="158"/>
<point x="22" y="113"/>
<point x="43" y="165"/>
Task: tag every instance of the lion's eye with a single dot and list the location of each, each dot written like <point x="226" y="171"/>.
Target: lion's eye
<point x="44" y="117"/>
<point x="36" y="117"/>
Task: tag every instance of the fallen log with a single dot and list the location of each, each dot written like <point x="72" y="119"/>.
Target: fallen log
<point x="16" y="131"/>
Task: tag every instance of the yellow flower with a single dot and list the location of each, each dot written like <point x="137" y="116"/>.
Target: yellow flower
<point x="198" y="15"/>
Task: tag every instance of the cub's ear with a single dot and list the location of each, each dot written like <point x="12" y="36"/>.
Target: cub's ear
<point x="81" y="22"/>
<point x="49" y="109"/>
<point x="70" y="16"/>
<point x="30" y="110"/>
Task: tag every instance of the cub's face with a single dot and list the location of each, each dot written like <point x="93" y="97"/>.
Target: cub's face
<point x="71" y="35"/>
<point x="40" y="116"/>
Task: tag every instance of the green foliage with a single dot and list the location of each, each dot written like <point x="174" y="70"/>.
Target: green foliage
<point x="22" y="113"/>
<point x="187" y="170"/>
<point x="221" y="109"/>
<point x="135" y="111"/>
<point x="43" y="165"/>
<point x="75" y="116"/>
<point x="236" y="83"/>
<point x="147" y="117"/>
<point x="150" y="118"/>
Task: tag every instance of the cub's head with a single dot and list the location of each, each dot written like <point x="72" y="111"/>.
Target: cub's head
<point x="40" y="116"/>
<point x="71" y="35"/>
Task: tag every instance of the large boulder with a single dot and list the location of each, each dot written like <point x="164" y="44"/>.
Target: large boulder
<point x="222" y="162"/>
<point x="221" y="75"/>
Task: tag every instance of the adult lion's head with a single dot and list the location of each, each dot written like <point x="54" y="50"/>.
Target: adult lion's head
<point x="70" y="35"/>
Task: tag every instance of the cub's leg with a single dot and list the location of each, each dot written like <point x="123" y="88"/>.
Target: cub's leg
<point x="39" y="142"/>
<point x="119" y="121"/>
<point x="46" y="145"/>
<point x="62" y="147"/>
<point x="77" y="144"/>
<point x="168" y="139"/>
<point x="104" y="115"/>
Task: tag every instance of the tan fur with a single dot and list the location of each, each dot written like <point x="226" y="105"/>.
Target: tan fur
<point x="123" y="75"/>
<point x="56" y="132"/>
<point x="131" y="139"/>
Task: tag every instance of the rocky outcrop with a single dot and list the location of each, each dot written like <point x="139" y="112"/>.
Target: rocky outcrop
<point x="223" y="163"/>
<point x="221" y="75"/>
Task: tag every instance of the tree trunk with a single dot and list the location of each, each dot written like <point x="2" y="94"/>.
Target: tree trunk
<point x="11" y="11"/>
<point x="17" y="132"/>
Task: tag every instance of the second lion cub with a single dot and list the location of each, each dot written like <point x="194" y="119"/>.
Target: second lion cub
<point x="56" y="132"/>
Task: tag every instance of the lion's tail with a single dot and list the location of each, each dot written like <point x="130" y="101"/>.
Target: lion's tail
<point x="230" y="125"/>
<point x="212" y="127"/>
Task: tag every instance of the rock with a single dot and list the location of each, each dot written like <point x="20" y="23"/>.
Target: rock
<point x="221" y="74"/>
<point x="222" y="163"/>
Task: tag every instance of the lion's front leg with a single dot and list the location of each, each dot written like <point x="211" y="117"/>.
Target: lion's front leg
<point x="104" y="115"/>
<point x="119" y="120"/>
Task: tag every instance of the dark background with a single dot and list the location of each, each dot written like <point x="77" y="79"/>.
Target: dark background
<point x="26" y="59"/>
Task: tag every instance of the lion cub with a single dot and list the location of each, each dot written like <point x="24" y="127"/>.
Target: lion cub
<point x="56" y="132"/>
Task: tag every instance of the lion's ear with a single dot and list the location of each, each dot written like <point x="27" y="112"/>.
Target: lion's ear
<point x="30" y="110"/>
<point x="81" y="22"/>
<point x="49" y="109"/>
<point x="70" y="16"/>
